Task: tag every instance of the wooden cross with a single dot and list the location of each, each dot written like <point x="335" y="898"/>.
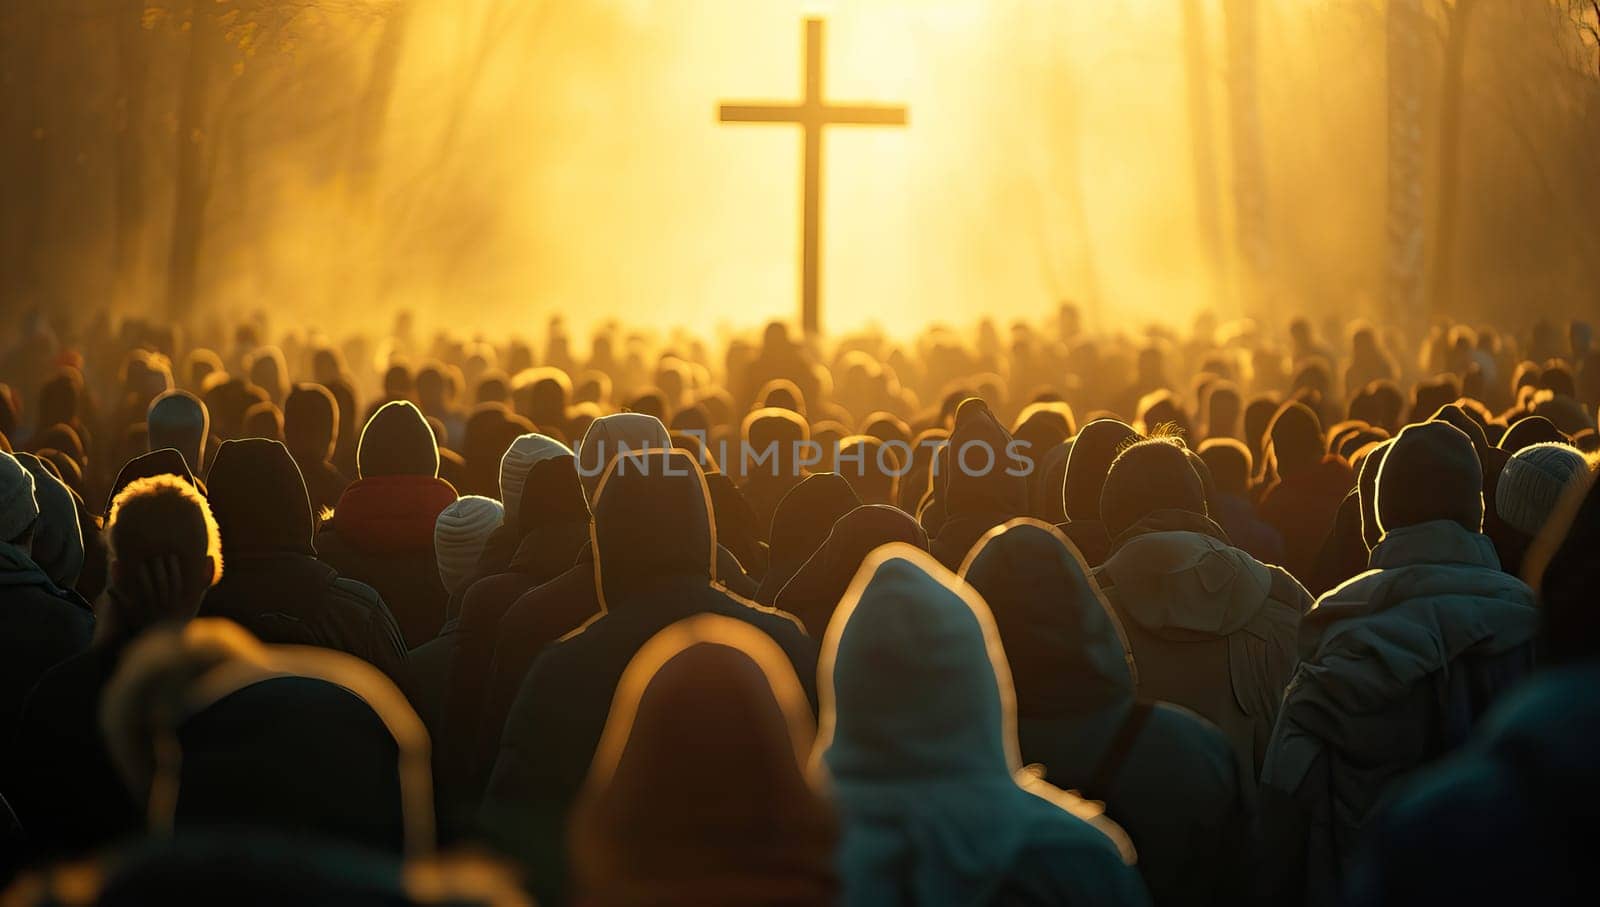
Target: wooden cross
<point x="811" y="114"/>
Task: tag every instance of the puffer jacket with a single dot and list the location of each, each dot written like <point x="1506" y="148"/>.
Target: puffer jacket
<point x="1396" y="666"/>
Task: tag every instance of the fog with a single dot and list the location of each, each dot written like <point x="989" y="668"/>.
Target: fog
<point x="491" y="163"/>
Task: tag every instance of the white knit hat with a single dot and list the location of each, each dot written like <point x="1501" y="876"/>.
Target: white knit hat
<point x="459" y="535"/>
<point x="520" y="459"/>
<point x="1532" y="482"/>
<point x="18" y="507"/>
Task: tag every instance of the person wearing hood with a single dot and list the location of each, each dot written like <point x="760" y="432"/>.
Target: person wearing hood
<point x="179" y="420"/>
<point x="1310" y="486"/>
<point x="554" y="521"/>
<point x="166" y="552"/>
<point x="544" y="614"/>
<point x="459" y="537"/>
<point x="655" y="562"/>
<point x="770" y="461"/>
<point x="275" y="586"/>
<point x="609" y="437"/>
<point x="1228" y="461"/>
<point x="311" y="432"/>
<point x="985" y="482"/>
<point x="1167" y="776"/>
<point x="211" y="729"/>
<point x="491" y="430"/>
<point x="698" y="793"/>
<point x="934" y="804"/>
<point x="822" y="580"/>
<point x="1396" y="664"/>
<point x="1349" y="544"/>
<point x="58" y="539"/>
<point x="736" y="525"/>
<point x="381" y="533"/>
<point x="41" y="624"/>
<point x="1088" y="464"/>
<point x="1211" y="628"/>
<point x="800" y="525"/>
<point x="164" y="462"/>
<point x="526" y="452"/>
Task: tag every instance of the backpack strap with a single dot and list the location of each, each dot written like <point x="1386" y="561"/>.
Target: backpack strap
<point x="1117" y="752"/>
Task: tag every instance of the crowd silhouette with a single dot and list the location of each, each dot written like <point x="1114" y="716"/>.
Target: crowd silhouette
<point x="1227" y="615"/>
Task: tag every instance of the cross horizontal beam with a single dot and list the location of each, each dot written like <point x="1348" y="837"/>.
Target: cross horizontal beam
<point x="805" y="114"/>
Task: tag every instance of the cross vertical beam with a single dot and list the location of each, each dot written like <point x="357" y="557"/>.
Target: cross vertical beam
<point x="811" y="217"/>
<point x="811" y="115"/>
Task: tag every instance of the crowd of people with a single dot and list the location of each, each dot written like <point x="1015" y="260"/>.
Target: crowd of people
<point x="1227" y="615"/>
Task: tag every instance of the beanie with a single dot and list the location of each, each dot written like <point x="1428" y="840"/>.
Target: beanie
<point x="18" y="509"/>
<point x="526" y="451"/>
<point x="1431" y="472"/>
<point x="615" y="434"/>
<point x="1151" y="475"/>
<point x="460" y="533"/>
<point x="1532" y="482"/>
<point x="397" y="442"/>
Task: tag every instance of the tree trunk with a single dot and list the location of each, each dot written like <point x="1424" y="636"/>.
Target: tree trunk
<point x="1249" y="179"/>
<point x="1407" y="240"/>
<point x="1446" y="220"/>
<point x="133" y="62"/>
<point x="1202" y="143"/>
<point x="191" y="189"/>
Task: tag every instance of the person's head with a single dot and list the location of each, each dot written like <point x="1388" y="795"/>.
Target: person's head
<point x="166" y="551"/>
<point x="57" y="538"/>
<point x="1530" y="430"/>
<point x="652" y="519"/>
<point x="1088" y="463"/>
<point x="1429" y="473"/>
<point x="259" y="499"/>
<point x="1532" y="481"/>
<point x="1367" y="491"/>
<point x="310" y="423"/>
<point x="1150" y="476"/>
<point x="698" y="791"/>
<point x="262" y="420"/>
<point x="608" y="437"/>
<point x="397" y="442"/>
<point x="1223" y="407"/>
<point x="459" y="535"/>
<point x="179" y="420"/>
<point x="268" y="371"/>
<point x="19" y="509"/>
<point x="1296" y="436"/>
<point x="773" y="436"/>
<point x="1229" y="462"/>
<point x="525" y="452"/>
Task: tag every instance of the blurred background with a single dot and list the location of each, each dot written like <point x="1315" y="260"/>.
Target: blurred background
<point x="494" y="162"/>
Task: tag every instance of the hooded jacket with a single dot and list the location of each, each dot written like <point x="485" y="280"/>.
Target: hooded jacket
<point x="554" y="519"/>
<point x="1529" y="766"/>
<point x="273" y="585"/>
<point x="822" y="581"/>
<point x="1175" y="786"/>
<point x="1211" y="628"/>
<point x="381" y="534"/>
<point x="985" y="484"/>
<point x="655" y="556"/>
<point x="934" y="807"/>
<point x="1396" y="666"/>
<point x="1302" y="506"/>
<point x="41" y="626"/>
<point x="801" y="524"/>
<point x="698" y="794"/>
<point x="1088" y="464"/>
